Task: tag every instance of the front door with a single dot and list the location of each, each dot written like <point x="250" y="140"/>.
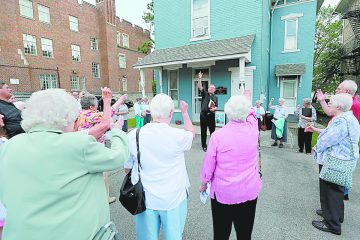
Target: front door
<point x="288" y="91"/>
<point x="197" y="94"/>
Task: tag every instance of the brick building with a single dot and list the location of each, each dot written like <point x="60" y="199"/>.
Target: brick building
<point x="69" y="44"/>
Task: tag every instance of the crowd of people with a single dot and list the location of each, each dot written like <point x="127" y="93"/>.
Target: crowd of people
<point x="57" y="186"/>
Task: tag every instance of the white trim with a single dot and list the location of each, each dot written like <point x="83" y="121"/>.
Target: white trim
<point x="292" y="16"/>
<point x="142" y="82"/>
<point x="161" y="79"/>
<point x="247" y="57"/>
<point x="200" y="38"/>
<point x="295" y="92"/>
<point x="191" y="24"/>
<point x="247" y="69"/>
<point x="291" y="51"/>
<point x="201" y="64"/>
<point x="177" y="87"/>
<point x="292" y="4"/>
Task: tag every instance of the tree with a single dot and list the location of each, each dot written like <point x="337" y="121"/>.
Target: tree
<point x="328" y="50"/>
<point x="148" y="17"/>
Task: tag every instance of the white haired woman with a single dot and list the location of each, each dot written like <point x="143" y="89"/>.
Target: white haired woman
<point x="307" y="116"/>
<point x="339" y="140"/>
<point x="260" y="113"/>
<point x="162" y="171"/>
<point x="279" y="126"/>
<point x="53" y="188"/>
<point x="232" y="170"/>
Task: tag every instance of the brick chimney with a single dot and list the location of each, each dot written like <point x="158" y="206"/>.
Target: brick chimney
<point x="109" y="10"/>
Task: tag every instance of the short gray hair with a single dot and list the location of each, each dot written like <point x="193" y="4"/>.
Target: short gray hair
<point x="237" y="108"/>
<point x="343" y="101"/>
<point x="51" y="108"/>
<point x="161" y="106"/>
<point x="87" y="101"/>
<point x="307" y="100"/>
<point x="351" y="86"/>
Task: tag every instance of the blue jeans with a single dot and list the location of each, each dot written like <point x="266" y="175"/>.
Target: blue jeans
<point x="172" y="222"/>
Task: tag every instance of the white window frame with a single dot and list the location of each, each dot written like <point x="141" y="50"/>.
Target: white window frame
<point x="48" y="81"/>
<point x="124" y="66"/>
<point x="118" y="38"/>
<point x="24" y="9"/>
<point x="44" y="16"/>
<point x="74" y="50"/>
<point x="94" y="43"/>
<point x="73" y="23"/>
<point x="208" y="36"/>
<point x="296" y="85"/>
<point x="75" y="83"/>
<point x="177" y="104"/>
<point x="140" y="59"/>
<point x="291" y="17"/>
<point x="47" y="48"/>
<point x="124" y="85"/>
<point x="126" y="44"/>
<point x="83" y="84"/>
<point x="26" y="40"/>
<point x="95" y="69"/>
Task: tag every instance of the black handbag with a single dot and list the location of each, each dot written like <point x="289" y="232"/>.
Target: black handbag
<point x="132" y="197"/>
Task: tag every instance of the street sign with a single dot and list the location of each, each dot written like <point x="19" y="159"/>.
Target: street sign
<point x="14" y="81"/>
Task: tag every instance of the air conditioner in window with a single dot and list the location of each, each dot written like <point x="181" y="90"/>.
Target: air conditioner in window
<point x="201" y="31"/>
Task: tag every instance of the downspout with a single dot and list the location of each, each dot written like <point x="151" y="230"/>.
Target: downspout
<point x="271" y="33"/>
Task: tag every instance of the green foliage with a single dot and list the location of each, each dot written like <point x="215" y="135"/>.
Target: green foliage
<point x="328" y="50"/>
<point x="131" y="123"/>
<point x="146" y="46"/>
<point x="153" y="84"/>
<point x="148" y="15"/>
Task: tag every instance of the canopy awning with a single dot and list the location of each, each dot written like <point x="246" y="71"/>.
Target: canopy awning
<point x="205" y="51"/>
<point x="289" y="69"/>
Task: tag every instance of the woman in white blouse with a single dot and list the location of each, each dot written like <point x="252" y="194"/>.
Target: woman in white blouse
<point x="281" y="111"/>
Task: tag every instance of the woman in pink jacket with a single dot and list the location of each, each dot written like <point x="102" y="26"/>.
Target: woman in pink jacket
<point x="231" y="166"/>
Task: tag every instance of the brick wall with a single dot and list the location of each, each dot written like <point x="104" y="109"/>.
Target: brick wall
<point x="94" y="21"/>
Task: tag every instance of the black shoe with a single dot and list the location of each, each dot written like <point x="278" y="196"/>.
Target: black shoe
<point x="281" y="145"/>
<point x="319" y="212"/>
<point x="346" y="197"/>
<point x="274" y="144"/>
<point x="322" y="226"/>
<point x="205" y="149"/>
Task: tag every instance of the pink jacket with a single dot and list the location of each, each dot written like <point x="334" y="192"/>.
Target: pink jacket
<point x="231" y="164"/>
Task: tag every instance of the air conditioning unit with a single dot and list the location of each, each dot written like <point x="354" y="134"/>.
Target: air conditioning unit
<point x="201" y="31"/>
<point x="74" y="72"/>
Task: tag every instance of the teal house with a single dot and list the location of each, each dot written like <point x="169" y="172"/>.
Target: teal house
<point x="259" y="48"/>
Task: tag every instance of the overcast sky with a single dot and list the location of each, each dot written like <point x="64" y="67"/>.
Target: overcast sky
<point x="132" y="10"/>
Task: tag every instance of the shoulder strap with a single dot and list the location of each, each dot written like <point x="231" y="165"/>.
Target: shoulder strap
<point x="138" y="150"/>
<point x="351" y="145"/>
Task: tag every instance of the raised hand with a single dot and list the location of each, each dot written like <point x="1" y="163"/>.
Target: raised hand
<point x="124" y="97"/>
<point x="200" y="75"/>
<point x="272" y="99"/>
<point x="183" y="106"/>
<point x="106" y="93"/>
<point x="320" y="95"/>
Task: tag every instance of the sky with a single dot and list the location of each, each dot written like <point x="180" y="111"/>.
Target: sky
<point x="132" y="10"/>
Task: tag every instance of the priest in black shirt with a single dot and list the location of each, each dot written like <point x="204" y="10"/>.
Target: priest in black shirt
<point x="209" y="103"/>
<point x="12" y="115"/>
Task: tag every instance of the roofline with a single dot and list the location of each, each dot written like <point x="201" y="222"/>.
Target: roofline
<point x="247" y="57"/>
<point x="342" y="4"/>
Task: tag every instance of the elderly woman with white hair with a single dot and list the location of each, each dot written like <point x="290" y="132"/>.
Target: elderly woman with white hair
<point x="232" y="170"/>
<point x="162" y="170"/>
<point x="340" y="141"/>
<point x="279" y="125"/>
<point x="53" y="188"/>
<point x="260" y="113"/>
<point x="307" y="116"/>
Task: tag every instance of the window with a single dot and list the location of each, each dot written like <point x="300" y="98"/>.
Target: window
<point x="288" y="91"/>
<point x="125" y="40"/>
<point x="83" y="84"/>
<point x="124" y="84"/>
<point x="74" y="83"/>
<point x="174" y="87"/>
<point x="29" y="44"/>
<point x="75" y="53"/>
<point x="140" y="59"/>
<point x="44" y="14"/>
<point x="48" y="81"/>
<point x="291" y="35"/>
<point x="118" y="38"/>
<point x="122" y="60"/>
<point x="95" y="68"/>
<point x="26" y="8"/>
<point x="94" y="43"/>
<point x="74" y="23"/>
<point x="200" y="18"/>
<point x="47" y="47"/>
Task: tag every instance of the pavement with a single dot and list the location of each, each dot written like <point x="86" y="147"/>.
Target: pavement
<point x="285" y="208"/>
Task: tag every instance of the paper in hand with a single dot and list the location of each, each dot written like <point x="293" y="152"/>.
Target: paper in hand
<point x="204" y="195"/>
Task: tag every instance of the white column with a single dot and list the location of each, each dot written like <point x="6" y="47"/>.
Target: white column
<point x="142" y="81"/>
<point x="242" y="75"/>
<point x="161" y="79"/>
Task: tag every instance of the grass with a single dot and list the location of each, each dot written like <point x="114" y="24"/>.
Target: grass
<point x="131" y="123"/>
<point x="315" y="137"/>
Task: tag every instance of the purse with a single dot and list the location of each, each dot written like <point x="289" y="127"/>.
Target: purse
<point x="263" y="127"/>
<point x="132" y="197"/>
<point x="339" y="171"/>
